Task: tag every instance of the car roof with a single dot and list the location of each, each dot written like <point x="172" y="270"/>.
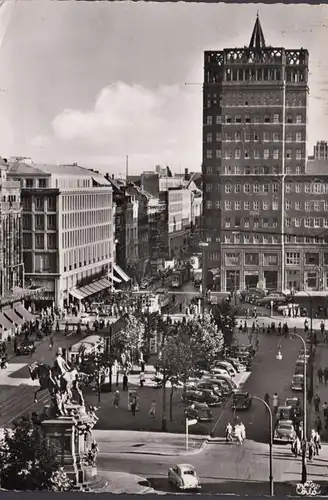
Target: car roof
<point x="184" y="466"/>
<point x="285" y="422"/>
<point x="285" y="407"/>
<point x="240" y="393"/>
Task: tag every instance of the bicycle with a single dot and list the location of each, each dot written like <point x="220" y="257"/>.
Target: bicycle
<point x="308" y="489"/>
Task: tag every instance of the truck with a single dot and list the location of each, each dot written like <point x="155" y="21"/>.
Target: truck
<point x="179" y="277"/>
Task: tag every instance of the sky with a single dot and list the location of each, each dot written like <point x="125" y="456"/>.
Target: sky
<point x="92" y="82"/>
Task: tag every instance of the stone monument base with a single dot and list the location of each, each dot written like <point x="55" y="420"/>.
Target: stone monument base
<point x="69" y="436"/>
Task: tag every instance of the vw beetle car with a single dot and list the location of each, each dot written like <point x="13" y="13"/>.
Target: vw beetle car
<point x="184" y="477"/>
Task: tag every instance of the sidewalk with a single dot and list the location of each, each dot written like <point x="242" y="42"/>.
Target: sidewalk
<point x="148" y="443"/>
<point x="122" y="482"/>
<point x="321" y="360"/>
<point x="291" y="322"/>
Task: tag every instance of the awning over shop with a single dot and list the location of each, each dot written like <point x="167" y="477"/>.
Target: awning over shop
<point x="24" y="313"/>
<point x="13" y="316"/>
<point x="121" y="273"/>
<point x="5" y="323"/>
<point x="76" y="293"/>
<point x="116" y="280"/>
<point x="105" y="283"/>
<point x="95" y="287"/>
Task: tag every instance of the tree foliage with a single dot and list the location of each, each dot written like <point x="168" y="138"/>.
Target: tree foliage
<point x="94" y="364"/>
<point x="225" y="319"/>
<point x="28" y="462"/>
<point x="132" y="336"/>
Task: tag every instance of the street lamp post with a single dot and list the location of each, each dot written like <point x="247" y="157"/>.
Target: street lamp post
<point x="203" y="245"/>
<point x="304" y="461"/>
<point x="270" y="444"/>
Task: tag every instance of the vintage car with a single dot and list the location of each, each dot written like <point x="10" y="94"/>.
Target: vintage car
<point x="241" y="400"/>
<point x="232" y="372"/>
<point x="211" y="386"/>
<point x="295" y="404"/>
<point x="26" y="347"/>
<point x="284" y="432"/>
<point x="200" y="412"/>
<point x="201" y="396"/>
<point x="297" y="383"/>
<point x="299" y="367"/>
<point x="285" y="413"/>
<point x="238" y="366"/>
<point x="184" y="477"/>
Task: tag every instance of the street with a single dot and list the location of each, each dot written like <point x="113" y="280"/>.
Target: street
<point x="222" y="468"/>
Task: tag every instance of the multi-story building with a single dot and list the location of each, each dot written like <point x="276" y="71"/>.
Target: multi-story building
<point x="158" y="233"/>
<point x="67" y="231"/>
<point x="320" y="150"/>
<point x="12" y="280"/>
<point x="254" y="141"/>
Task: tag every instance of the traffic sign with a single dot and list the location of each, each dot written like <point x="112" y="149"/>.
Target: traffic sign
<point x="192" y="421"/>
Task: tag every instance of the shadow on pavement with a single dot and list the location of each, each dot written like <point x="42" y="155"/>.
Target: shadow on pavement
<point x="233" y="486"/>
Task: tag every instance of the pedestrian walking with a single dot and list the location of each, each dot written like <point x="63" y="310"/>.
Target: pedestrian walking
<point x="320" y="375"/>
<point x="318" y="425"/>
<point x="133" y="405"/>
<point x="152" y="411"/>
<point x="116" y="400"/>
<point x="325" y="375"/>
<point x="317" y="444"/>
<point x="142" y="379"/>
<point x="125" y="382"/>
<point x="228" y="433"/>
<point x="51" y="344"/>
<point x="317" y="402"/>
<point x="267" y="399"/>
<point x="275" y="402"/>
<point x="242" y="431"/>
<point x="311" y="450"/>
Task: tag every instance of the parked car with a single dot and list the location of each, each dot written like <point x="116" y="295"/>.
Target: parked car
<point x="184" y="477"/>
<point x="202" y="396"/>
<point x="241" y="400"/>
<point x="285" y="432"/>
<point x="144" y="285"/>
<point x="219" y="371"/>
<point x="227" y="366"/>
<point x="238" y="366"/>
<point x="224" y="388"/>
<point x="304" y="357"/>
<point x="199" y="411"/>
<point x="215" y="388"/>
<point x="299" y="367"/>
<point x="25" y="347"/>
<point x="297" y="383"/>
<point x="216" y="377"/>
<point x="285" y="413"/>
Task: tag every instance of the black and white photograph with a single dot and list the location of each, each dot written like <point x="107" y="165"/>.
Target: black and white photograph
<point x="164" y="248"/>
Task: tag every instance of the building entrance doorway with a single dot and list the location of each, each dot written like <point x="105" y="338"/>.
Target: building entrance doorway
<point x="271" y="280"/>
<point x="251" y="280"/>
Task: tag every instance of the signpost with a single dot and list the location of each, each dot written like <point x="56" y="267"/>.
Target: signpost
<point x="192" y="421"/>
<point x="271" y="304"/>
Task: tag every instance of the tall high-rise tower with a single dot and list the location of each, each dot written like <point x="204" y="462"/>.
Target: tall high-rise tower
<point x="254" y="134"/>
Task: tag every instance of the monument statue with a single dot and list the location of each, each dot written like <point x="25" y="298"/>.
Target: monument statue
<point x="60" y="380"/>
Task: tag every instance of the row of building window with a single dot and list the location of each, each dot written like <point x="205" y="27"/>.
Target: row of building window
<point x="79" y="202"/>
<point x="86" y="255"/>
<point x="307" y="206"/>
<point x="259" y="99"/>
<point x="86" y="218"/>
<point x="256" y="170"/>
<point x="308" y="222"/>
<point x="40" y="203"/>
<point x="257" y="154"/>
<point x="254" y="137"/>
<point x="258" y="119"/>
<point x="307" y="188"/>
<point x="39" y="221"/>
<point x="253" y="258"/>
<point x="254" y="239"/>
<point x="39" y="241"/>
<point x="86" y="236"/>
<point x="315" y="222"/>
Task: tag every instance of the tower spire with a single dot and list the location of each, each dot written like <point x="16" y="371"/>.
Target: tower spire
<point x="257" y="39"/>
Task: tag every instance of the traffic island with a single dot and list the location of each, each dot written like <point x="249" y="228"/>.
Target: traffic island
<point x="122" y="482"/>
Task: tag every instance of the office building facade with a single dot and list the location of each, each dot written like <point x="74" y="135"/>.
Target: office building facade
<point x="67" y="231"/>
<point x="254" y="137"/>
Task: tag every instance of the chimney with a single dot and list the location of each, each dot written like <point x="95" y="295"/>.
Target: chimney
<point x="113" y="176"/>
<point x="186" y="175"/>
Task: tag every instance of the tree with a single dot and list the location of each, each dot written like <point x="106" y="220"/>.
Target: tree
<point x="206" y="343"/>
<point x="28" y="462"/>
<point x="175" y="364"/>
<point x="97" y="365"/>
<point x="225" y="319"/>
<point x="132" y="336"/>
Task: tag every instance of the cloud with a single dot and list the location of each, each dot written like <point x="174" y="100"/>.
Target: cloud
<point x="135" y="120"/>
